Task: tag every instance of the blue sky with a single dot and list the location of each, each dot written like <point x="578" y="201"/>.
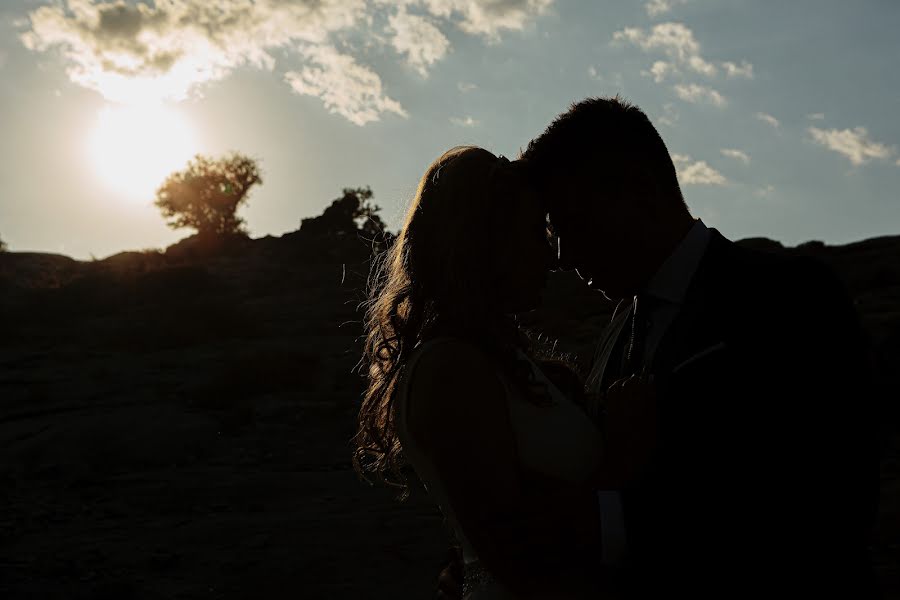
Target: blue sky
<point x="782" y="117"/>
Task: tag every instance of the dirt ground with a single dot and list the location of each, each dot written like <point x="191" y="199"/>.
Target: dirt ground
<point x="174" y="506"/>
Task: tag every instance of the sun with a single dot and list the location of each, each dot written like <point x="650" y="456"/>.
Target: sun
<point x="133" y="148"/>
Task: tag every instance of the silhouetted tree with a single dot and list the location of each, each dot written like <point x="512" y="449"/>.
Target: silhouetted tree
<point x="207" y="194"/>
<point x="2" y="246"/>
<point x="353" y="212"/>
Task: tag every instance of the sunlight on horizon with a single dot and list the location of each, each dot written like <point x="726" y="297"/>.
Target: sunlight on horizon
<point x="134" y="148"/>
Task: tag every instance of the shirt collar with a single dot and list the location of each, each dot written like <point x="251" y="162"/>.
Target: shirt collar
<point x="670" y="283"/>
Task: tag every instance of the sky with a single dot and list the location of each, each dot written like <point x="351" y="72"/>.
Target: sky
<point x="781" y="117"/>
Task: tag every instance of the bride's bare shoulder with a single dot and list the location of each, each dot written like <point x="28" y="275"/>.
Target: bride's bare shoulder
<point x="451" y="362"/>
<point x="451" y="378"/>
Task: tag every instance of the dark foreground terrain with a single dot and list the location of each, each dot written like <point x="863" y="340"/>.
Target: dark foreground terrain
<point x="177" y="425"/>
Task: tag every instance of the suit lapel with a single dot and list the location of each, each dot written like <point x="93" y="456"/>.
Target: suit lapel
<point x="696" y="326"/>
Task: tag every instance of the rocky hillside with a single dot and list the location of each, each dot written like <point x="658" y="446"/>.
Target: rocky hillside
<point x="176" y="424"/>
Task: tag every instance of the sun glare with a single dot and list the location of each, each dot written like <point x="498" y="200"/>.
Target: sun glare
<point x="134" y="148"/>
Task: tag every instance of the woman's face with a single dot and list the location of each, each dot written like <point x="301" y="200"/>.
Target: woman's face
<point x="523" y="254"/>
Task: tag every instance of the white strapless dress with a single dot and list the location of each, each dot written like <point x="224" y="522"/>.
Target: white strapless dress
<point x="558" y="441"/>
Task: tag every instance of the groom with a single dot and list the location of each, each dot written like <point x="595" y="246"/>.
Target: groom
<point x="764" y="479"/>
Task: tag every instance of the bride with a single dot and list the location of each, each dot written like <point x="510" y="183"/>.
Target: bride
<point x="508" y="453"/>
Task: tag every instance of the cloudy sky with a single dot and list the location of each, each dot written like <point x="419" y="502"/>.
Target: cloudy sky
<point x="781" y="117"/>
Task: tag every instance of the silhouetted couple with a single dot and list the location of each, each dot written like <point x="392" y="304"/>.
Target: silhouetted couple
<point x="722" y="445"/>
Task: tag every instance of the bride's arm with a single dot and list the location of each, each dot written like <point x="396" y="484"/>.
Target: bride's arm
<point x="458" y="416"/>
<point x="624" y="425"/>
<point x="622" y="438"/>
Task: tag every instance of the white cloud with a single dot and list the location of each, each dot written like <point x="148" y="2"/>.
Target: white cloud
<point x="417" y="38"/>
<point x="134" y="52"/>
<point x="898" y="162"/>
<point x="139" y="51"/>
<point x="673" y="39"/>
<point x="700" y="65"/>
<point x="660" y="70"/>
<point x="767" y="118"/>
<point x="736" y="154"/>
<point x="466" y="121"/>
<point x="677" y="42"/>
<point x="852" y="143"/>
<point x="346" y="87"/>
<point x="466" y="87"/>
<point x="816" y="116"/>
<point x="696" y="172"/>
<point x="696" y="93"/>
<point x="745" y="69"/>
<point x="660" y="7"/>
<point x="486" y="18"/>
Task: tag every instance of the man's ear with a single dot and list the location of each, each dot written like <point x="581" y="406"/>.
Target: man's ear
<point x="641" y="186"/>
<point x="636" y="174"/>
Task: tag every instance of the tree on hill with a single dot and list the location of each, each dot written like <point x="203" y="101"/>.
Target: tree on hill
<point x="207" y="193"/>
<point x="353" y="212"/>
<point x="2" y="246"/>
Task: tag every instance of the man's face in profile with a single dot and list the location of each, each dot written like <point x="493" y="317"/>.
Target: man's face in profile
<point x="567" y="223"/>
<point x="590" y="232"/>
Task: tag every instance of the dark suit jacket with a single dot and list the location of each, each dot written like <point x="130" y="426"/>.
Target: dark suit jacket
<point x="765" y="480"/>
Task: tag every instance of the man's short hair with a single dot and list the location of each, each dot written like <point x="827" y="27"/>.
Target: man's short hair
<point x="604" y="135"/>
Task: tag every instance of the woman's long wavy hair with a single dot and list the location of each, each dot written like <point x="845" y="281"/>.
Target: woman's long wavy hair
<point x="436" y="278"/>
